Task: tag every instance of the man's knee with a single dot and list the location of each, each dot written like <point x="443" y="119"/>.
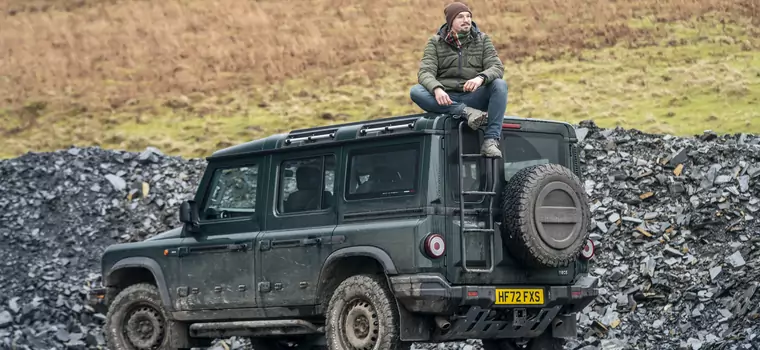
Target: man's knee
<point x="498" y="86"/>
<point x="418" y="91"/>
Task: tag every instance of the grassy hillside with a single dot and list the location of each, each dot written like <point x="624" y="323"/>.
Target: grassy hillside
<point x="189" y="76"/>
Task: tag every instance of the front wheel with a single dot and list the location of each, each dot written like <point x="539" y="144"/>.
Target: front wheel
<point x="362" y="315"/>
<point x="137" y="320"/>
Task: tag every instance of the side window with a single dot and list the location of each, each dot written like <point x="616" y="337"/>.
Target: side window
<point x="232" y="193"/>
<point x="307" y="184"/>
<point x="383" y="172"/>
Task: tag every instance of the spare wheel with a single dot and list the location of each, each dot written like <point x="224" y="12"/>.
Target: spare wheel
<point x="545" y="216"/>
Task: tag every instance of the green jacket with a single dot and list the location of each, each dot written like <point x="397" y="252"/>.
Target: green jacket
<point x="444" y="65"/>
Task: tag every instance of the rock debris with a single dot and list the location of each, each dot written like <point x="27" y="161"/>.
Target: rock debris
<point x="675" y="223"/>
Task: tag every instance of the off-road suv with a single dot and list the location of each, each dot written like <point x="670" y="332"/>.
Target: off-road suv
<point x="368" y="235"/>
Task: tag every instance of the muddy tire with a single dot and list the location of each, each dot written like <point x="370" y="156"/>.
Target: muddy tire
<point x="137" y="320"/>
<point x="362" y="314"/>
<point x="545" y="216"/>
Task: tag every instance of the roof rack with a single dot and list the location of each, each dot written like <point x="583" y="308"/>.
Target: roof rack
<point x="388" y="126"/>
<point x="310" y="137"/>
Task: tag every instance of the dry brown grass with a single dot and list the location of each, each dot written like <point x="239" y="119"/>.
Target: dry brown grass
<point x="112" y="53"/>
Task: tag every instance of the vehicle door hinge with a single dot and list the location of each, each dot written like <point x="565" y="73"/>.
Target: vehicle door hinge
<point x="182" y="251"/>
<point x="265" y="287"/>
<point x="265" y="245"/>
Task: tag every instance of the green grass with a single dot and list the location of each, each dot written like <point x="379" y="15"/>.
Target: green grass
<point x="702" y="76"/>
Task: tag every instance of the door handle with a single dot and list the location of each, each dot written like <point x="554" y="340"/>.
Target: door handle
<point x="238" y="247"/>
<point x="311" y="241"/>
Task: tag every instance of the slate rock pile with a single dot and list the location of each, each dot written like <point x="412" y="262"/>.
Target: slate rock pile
<point x="58" y="212"/>
<point x="675" y="222"/>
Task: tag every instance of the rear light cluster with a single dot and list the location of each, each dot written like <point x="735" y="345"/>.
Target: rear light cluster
<point x="588" y="250"/>
<point x="434" y="246"/>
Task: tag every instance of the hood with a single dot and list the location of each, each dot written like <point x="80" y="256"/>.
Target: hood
<point x="173" y="233"/>
<point x="443" y="30"/>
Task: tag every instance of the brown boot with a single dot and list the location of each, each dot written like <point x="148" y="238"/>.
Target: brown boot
<point x="475" y="118"/>
<point x="490" y="148"/>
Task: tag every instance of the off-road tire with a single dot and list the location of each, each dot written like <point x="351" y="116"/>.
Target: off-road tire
<point x="142" y="300"/>
<point x="366" y="297"/>
<point x="520" y="230"/>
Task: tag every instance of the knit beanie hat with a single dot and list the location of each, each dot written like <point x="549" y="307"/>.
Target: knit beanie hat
<point x="453" y="9"/>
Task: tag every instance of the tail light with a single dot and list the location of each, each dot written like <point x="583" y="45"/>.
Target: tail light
<point x="588" y="250"/>
<point x="434" y="246"/>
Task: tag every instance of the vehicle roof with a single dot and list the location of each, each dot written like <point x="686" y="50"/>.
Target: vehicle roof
<point x="338" y="133"/>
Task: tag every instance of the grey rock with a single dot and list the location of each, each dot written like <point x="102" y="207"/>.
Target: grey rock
<point x="715" y="272"/>
<point x="13" y="305"/>
<point x="5" y="319"/>
<point x="117" y="182"/>
<point x="736" y="259"/>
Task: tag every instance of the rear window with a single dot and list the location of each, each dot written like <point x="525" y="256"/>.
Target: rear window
<point x="523" y="149"/>
<point x="383" y="171"/>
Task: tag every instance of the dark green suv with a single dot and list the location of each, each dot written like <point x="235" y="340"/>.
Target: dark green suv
<point x="367" y="235"/>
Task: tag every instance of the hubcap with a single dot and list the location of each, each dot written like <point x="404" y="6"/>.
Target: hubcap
<point x="558" y="215"/>
<point x="144" y="328"/>
<point x="360" y="325"/>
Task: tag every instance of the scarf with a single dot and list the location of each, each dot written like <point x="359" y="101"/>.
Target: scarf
<point x="455" y="39"/>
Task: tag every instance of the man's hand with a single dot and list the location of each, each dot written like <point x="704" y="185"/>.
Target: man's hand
<point x="442" y="97"/>
<point x="473" y="84"/>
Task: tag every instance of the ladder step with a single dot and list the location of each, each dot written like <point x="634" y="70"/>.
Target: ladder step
<point x="480" y="193"/>
<point x="475" y="211"/>
<point x="472" y="155"/>
<point x="479" y="230"/>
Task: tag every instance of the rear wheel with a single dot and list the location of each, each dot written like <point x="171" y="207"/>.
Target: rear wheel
<point x="362" y="315"/>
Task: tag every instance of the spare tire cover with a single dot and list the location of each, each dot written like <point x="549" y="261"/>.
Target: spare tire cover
<point x="545" y="216"/>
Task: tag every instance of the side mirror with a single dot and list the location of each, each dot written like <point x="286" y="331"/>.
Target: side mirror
<point x="188" y="214"/>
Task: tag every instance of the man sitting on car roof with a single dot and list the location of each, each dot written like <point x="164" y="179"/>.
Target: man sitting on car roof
<point x="460" y="73"/>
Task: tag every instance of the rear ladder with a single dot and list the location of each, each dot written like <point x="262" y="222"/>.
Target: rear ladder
<point x="491" y="174"/>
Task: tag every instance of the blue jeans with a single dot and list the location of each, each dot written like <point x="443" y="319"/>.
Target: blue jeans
<point x="491" y="97"/>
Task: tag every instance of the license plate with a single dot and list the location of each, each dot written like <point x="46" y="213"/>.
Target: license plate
<point x="521" y="296"/>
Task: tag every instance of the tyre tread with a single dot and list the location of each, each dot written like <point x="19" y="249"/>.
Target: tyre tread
<point x="516" y="206"/>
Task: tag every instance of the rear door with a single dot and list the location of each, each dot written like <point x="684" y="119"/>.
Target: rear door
<point x="299" y="226"/>
<point x="521" y="147"/>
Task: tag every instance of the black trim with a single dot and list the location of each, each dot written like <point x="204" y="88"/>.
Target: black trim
<point x="245" y="313"/>
<point x="149" y="264"/>
<point x="432" y="293"/>
<point x="373" y="252"/>
<point x="385" y="214"/>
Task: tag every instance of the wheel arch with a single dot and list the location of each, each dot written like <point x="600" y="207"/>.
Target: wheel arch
<point x="135" y="270"/>
<point x="349" y="261"/>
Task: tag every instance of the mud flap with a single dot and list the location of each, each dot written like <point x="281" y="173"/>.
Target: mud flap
<point x="564" y="326"/>
<point x="412" y="327"/>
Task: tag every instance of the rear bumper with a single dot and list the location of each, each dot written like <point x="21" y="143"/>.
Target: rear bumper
<point x="473" y="313"/>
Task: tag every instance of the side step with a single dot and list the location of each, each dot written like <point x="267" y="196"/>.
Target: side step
<point x="253" y="328"/>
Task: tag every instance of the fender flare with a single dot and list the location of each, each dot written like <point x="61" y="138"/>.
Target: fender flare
<point x="371" y="252"/>
<point x="150" y="265"/>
